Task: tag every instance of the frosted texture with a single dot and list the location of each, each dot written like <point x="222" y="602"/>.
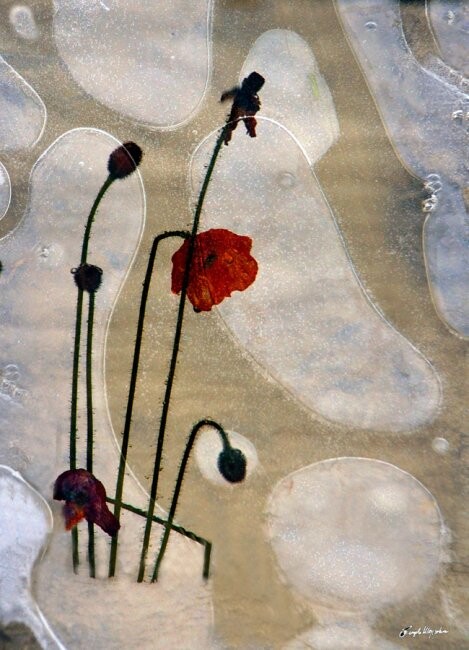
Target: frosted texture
<point x="306" y="318"/>
<point x="450" y="24"/>
<point x="147" y="60"/>
<point x="425" y="118"/>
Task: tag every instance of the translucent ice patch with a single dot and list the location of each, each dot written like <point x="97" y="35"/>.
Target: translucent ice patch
<point x="450" y="23"/>
<point x="426" y="118"/>
<point x="22" y="21"/>
<point x="37" y="316"/>
<point x="149" y="61"/>
<point x="295" y="93"/>
<point x="306" y="318"/>
<point x="25" y="525"/>
<point x="22" y="111"/>
<point x="5" y="191"/>
<point x="354" y="535"/>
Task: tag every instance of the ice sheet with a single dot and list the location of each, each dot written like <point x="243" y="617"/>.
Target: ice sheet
<point x="306" y="319"/>
<point x="427" y="123"/>
<point x="149" y="61"/>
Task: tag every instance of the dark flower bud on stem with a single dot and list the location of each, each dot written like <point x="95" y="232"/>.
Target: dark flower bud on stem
<point x="88" y="277"/>
<point x="232" y="465"/>
<point x="124" y="160"/>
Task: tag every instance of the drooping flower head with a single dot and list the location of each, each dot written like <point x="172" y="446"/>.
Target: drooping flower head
<point x="85" y="498"/>
<point x="245" y="105"/>
<point x="124" y="160"/>
<point x="232" y="465"/>
<point x="220" y="265"/>
<point x="88" y="277"/>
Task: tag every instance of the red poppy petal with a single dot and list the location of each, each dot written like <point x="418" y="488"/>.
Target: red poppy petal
<point x="73" y="514"/>
<point x="99" y="514"/>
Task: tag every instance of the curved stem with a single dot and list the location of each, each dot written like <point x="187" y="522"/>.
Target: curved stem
<point x="133" y="384"/>
<point x="89" y="420"/>
<point x="86" y="237"/>
<point x="172" y="366"/>
<point x="172" y="511"/>
<point x="76" y="356"/>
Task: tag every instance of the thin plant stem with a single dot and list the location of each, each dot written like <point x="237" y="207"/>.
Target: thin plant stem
<point x="76" y="356"/>
<point x="89" y="419"/>
<point x="185" y="459"/>
<point x="177" y="529"/>
<point x="172" y="366"/>
<point x="133" y="383"/>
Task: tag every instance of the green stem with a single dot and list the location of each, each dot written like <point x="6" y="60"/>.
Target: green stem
<point x="133" y="384"/>
<point x="89" y="419"/>
<point x="177" y="529"/>
<point x="76" y="357"/>
<point x="185" y="459"/>
<point x="172" y="367"/>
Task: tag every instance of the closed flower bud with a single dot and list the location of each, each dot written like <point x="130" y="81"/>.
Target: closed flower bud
<point x="88" y="277"/>
<point x="124" y="160"/>
<point x="232" y="465"/>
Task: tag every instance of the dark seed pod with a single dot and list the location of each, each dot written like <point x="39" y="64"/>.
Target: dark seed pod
<point x="124" y="160"/>
<point x="232" y="465"/>
<point x="88" y="277"/>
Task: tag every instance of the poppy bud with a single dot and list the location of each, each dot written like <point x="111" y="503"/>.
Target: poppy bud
<point x="88" y="277"/>
<point x="124" y="160"/>
<point x="232" y="465"/>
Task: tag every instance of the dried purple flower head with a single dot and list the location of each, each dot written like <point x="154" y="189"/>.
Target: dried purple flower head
<point x="245" y="105"/>
<point x="232" y="464"/>
<point x="124" y="160"/>
<point x="85" y="498"/>
<point x="88" y="277"/>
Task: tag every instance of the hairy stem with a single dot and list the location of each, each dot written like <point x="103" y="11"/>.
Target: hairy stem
<point x="133" y="384"/>
<point x="172" y="366"/>
<point x="172" y="511"/>
<point x="89" y="420"/>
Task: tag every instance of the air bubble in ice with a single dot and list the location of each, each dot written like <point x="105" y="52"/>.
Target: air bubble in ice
<point x="22" y="20"/>
<point x="457" y="115"/>
<point x="286" y="180"/>
<point x="440" y="445"/>
<point x="450" y="17"/>
<point x="371" y="25"/>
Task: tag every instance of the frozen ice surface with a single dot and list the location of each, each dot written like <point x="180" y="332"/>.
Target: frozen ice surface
<point x="426" y="118"/>
<point x="306" y="318"/>
<point x="354" y="535"/>
<point x="5" y="190"/>
<point x="450" y="23"/>
<point x="25" y="525"/>
<point x="37" y="316"/>
<point x="22" y="111"/>
<point x="149" y="61"/>
<point x="295" y="93"/>
<point x="22" y="21"/>
<point x="208" y="448"/>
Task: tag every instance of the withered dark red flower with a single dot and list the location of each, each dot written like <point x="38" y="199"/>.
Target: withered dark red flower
<point x="124" y="160"/>
<point x="246" y="103"/>
<point x="220" y="265"/>
<point x="232" y="465"/>
<point x="85" y="498"/>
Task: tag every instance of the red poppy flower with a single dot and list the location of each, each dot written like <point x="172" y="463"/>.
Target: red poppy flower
<point x="221" y="264"/>
<point x="85" y="498"/>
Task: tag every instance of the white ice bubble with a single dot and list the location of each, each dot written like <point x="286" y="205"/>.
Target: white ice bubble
<point x="209" y="446"/>
<point x="306" y="319"/>
<point x="5" y="190"/>
<point x="415" y="104"/>
<point x="22" y="112"/>
<point x="149" y="61"/>
<point x="25" y="526"/>
<point x="295" y="93"/>
<point x="344" y="558"/>
<point x="23" y="22"/>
